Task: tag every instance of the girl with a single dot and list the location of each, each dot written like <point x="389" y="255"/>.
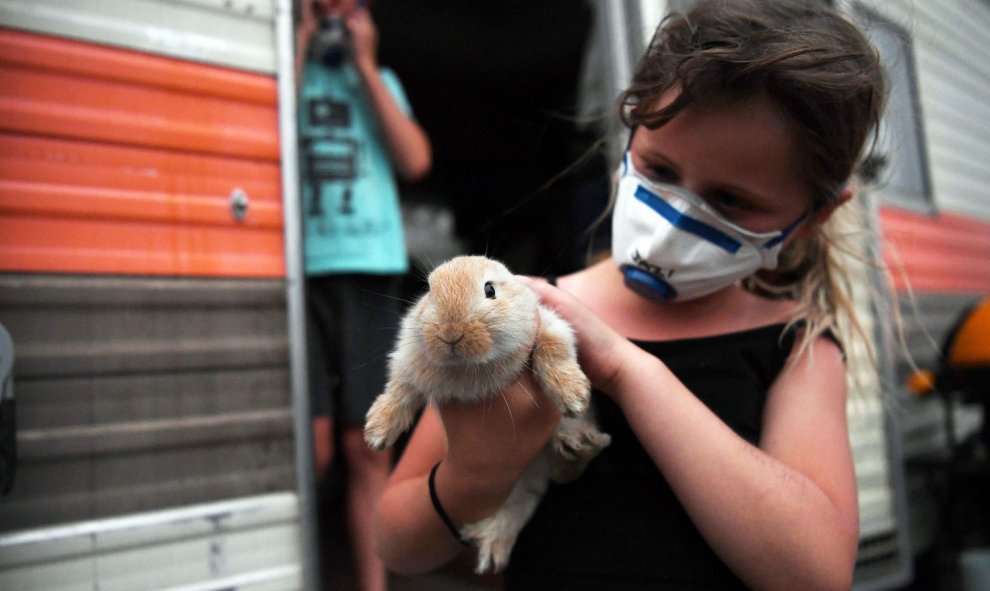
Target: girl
<point x="708" y="334"/>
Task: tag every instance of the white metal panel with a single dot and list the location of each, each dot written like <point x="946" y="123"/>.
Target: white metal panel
<point x="294" y="295"/>
<point x="952" y="52"/>
<point x="234" y="33"/>
<point x="883" y="559"/>
<point x="869" y="444"/>
<point x="652" y="12"/>
<point x="249" y="543"/>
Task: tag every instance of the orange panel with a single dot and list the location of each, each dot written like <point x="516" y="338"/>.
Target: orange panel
<point x="114" y="161"/>
<point x="34" y="52"/>
<point x="56" y="103"/>
<point x="939" y="254"/>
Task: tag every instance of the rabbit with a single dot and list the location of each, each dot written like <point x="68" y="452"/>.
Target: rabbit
<point x="469" y="336"/>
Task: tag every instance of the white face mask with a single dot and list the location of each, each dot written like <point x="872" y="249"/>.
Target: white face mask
<point x="671" y="245"/>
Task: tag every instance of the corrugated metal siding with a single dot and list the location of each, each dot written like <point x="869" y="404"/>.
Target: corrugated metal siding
<point x="952" y="52"/>
<point x="941" y="263"/>
<point x="155" y="426"/>
<point x="136" y="394"/>
<point x="882" y="557"/>
<point x="234" y="33"/>
<point x="117" y="162"/>
<point x="944" y="256"/>
<point x="245" y="544"/>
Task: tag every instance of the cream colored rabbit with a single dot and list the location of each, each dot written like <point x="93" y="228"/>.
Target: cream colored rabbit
<point x="468" y="337"/>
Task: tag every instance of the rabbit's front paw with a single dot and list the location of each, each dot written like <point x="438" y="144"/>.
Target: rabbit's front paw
<point x="381" y="426"/>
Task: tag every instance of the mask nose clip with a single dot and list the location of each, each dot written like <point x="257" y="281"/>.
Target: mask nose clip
<point x="647" y="285"/>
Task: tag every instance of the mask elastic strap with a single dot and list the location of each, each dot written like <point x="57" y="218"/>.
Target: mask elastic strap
<point x="788" y="230"/>
<point x="625" y="153"/>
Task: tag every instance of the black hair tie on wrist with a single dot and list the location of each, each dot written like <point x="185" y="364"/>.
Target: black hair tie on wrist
<point x="439" y="508"/>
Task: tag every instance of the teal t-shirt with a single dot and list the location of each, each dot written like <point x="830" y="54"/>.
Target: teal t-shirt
<point x="350" y="202"/>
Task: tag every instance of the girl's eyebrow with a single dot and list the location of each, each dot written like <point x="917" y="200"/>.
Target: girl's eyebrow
<point x="754" y="199"/>
<point x="654" y="156"/>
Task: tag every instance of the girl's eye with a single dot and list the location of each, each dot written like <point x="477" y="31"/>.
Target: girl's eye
<point x="489" y="290"/>
<point x="728" y="203"/>
<point x="663" y="174"/>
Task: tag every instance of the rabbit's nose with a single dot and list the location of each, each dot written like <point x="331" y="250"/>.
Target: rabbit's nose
<point x="451" y="338"/>
<point x="451" y="335"/>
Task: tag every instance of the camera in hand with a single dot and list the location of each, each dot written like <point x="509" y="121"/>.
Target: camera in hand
<point x="330" y="44"/>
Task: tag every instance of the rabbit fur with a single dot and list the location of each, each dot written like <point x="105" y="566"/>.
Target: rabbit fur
<point x="467" y="338"/>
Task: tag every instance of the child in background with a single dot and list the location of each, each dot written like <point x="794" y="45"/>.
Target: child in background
<point x="357" y="133"/>
<point x="710" y="334"/>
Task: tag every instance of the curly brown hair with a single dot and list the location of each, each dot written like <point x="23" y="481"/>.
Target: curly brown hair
<point x="822" y="72"/>
<point x="816" y="65"/>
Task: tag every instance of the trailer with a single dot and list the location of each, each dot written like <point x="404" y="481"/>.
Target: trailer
<point x="150" y="284"/>
<point x="149" y="281"/>
<point x="933" y="211"/>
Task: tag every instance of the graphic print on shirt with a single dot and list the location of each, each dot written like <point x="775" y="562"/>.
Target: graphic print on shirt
<point x="331" y="159"/>
<point x="349" y="198"/>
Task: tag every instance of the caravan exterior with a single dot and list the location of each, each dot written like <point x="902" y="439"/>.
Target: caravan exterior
<point x="933" y="210"/>
<point x="150" y="282"/>
<point x="148" y="290"/>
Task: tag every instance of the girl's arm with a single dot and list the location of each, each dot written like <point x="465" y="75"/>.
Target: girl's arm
<point x="482" y="450"/>
<point x="407" y="143"/>
<point x="782" y="515"/>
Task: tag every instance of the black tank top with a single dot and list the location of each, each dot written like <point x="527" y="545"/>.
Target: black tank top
<point x="619" y="526"/>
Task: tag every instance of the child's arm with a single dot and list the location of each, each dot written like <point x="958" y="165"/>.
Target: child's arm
<point x="305" y="29"/>
<point x="408" y="145"/>
<point x="782" y="515"/>
<point x="482" y="450"/>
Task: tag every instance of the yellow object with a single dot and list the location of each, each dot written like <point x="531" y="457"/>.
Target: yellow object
<point x="971" y="344"/>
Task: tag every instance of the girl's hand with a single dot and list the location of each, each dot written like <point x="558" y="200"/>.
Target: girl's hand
<point x="604" y="353"/>
<point x="490" y="444"/>
<point x="482" y="448"/>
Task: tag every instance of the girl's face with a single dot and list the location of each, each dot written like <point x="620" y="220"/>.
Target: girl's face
<point x="741" y="158"/>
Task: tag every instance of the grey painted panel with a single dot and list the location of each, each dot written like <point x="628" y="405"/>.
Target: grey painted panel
<point x="145" y="393"/>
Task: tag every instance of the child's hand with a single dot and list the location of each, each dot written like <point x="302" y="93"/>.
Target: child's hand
<point x="490" y="443"/>
<point x="307" y="25"/>
<point x="602" y="351"/>
<point x="364" y="38"/>
<point x="305" y="29"/>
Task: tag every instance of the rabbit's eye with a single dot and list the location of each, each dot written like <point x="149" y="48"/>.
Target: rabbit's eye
<point x="489" y="290"/>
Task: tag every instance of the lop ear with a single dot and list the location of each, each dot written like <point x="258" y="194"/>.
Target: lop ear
<point x="822" y="215"/>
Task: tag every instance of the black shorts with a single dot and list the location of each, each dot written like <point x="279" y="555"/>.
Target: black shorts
<point x="352" y="321"/>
